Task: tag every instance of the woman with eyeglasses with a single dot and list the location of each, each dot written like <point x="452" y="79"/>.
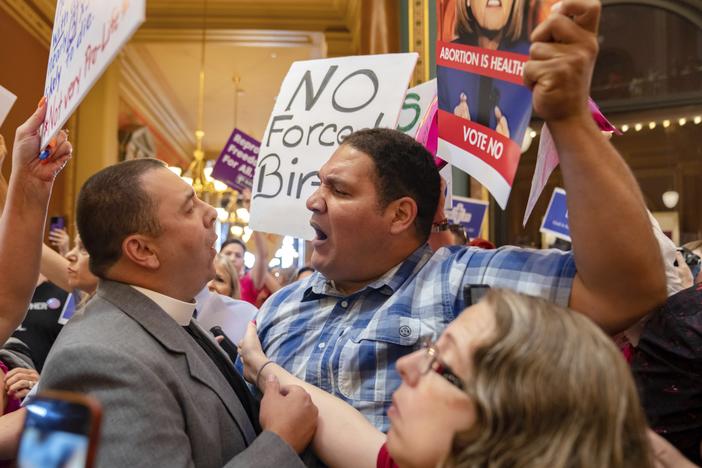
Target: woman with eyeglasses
<point x="513" y="381"/>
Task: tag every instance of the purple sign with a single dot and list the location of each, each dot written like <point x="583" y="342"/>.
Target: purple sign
<point x="237" y="163"/>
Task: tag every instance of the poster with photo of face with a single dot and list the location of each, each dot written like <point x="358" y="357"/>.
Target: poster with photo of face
<point x="484" y="107"/>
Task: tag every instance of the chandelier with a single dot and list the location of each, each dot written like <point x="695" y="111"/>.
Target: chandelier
<point x="203" y="186"/>
<point x="227" y="202"/>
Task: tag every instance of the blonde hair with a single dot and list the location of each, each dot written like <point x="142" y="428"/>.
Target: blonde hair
<point x="227" y="264"/>
<point x="550" y="390"/>
<point x="465" y="21"/>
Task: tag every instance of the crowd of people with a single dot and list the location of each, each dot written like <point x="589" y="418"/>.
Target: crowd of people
<point x="403" y="343"/>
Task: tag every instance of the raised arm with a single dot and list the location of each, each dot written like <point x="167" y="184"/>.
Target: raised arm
<point x="344" y="438"/>
<point x="620" y="272"/>
<point x="22" y="222"/>
<point x="59" y="239"/>
<point x="54" y="267"/>
<point x="259" y="270"/>
<point x="259" y="273"/>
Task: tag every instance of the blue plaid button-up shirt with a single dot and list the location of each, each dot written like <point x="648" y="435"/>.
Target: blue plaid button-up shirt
<point x="348" y="345"/>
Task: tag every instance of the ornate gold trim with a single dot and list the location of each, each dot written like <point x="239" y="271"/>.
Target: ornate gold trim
<point x="240" y="37"/>
<point x="418" y="37"/>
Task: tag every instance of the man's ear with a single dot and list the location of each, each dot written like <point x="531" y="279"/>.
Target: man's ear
<point x="404" y="213"/>
<point x="140" y="249"/>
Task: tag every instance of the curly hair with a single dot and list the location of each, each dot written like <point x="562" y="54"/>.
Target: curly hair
<point x="550" y="390"/>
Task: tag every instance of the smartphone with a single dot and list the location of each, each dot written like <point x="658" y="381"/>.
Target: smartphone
<point x="60" y="431"/>
<point x="57" y="222"/>
<point x="69" y="308"/>
<point x="472" y="293"/>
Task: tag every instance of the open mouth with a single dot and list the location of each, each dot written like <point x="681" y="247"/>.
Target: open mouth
<point x="319" y="234"/>
<point x="213" y="245"/>
<point x="494" y="3"/>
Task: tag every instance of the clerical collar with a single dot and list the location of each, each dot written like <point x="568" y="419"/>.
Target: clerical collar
<point x="180" y="311"/>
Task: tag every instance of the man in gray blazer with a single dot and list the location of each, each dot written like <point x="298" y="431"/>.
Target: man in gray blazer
<point x="170" y="396"/>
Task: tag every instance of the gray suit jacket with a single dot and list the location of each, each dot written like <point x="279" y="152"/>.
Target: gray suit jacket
<point x="164" y="401"/>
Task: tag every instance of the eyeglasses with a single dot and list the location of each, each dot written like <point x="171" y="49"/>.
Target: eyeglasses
<point x="457" y="228"/>
<point x="432" y="362"/>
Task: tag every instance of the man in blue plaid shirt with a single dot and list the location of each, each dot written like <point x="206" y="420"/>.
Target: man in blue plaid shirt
<point x="379" y="291"/>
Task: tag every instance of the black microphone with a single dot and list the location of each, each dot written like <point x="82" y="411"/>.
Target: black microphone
<point x="226" y="343"/>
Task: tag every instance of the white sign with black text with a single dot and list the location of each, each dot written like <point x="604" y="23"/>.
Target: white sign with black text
<point x="320" y="103"/>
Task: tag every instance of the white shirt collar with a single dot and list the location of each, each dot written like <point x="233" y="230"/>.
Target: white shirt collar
<point x="178" y="310"/>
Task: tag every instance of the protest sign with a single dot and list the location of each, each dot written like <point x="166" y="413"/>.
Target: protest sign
<point x="320" y="103"/>
<point x="7" y="100"/>
<point x="237" y="162"/>
<point x="547" y="158"/>
<point x="86" y="37"/>
<point x="216" y="310"/>
<point x="446" y="173"/>
<point x="556" y="219"/>
<point x="416" y="105"/>
<point x="484" y="107"/>
<point x="546" y="161"/>
<point x="469" y="213"/>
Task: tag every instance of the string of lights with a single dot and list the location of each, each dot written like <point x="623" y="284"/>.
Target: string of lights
<point x="638" y="126"/>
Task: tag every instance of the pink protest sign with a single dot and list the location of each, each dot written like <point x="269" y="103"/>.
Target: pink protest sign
<point x="547" y="158"/>
<point x="418" y="117"/>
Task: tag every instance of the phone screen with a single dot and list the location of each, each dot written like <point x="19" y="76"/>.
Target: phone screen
<point x="69" y="308"/>
<point x="56" y="434"/>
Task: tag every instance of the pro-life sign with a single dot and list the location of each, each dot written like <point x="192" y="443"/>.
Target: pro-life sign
<point x="469" y="213"/>
<point x="556" y="219"/>
<point x="320" y="103"/>
<point x="86" y="37"/>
